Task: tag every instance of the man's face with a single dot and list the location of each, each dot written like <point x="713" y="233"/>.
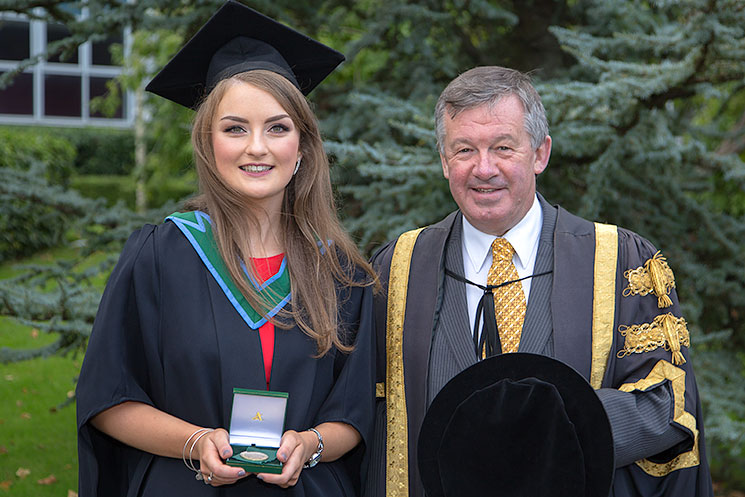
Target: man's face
<point x="490" y="164"/>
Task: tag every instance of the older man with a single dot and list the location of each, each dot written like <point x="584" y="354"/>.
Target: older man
<point x="510" y="272"/>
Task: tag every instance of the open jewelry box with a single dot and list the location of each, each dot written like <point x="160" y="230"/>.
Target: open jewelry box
<point x="256" y="425"/>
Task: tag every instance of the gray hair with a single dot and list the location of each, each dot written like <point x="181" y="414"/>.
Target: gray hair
<point x="486" y="86"/>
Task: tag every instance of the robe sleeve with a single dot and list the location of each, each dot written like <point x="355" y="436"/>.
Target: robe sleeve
<point x="641" y="422"/>
<point x="375" y="464"/>
<point x="117" y="368"/>
<point x="351" y="399"/>
<point x="650" y="392"/>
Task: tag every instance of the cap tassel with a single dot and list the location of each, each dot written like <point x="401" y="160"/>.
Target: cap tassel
<point x="670" y="330"/>
<point x="656" y="271"/>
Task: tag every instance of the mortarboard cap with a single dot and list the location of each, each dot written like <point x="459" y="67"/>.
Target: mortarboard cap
<point x="238" y="39"/>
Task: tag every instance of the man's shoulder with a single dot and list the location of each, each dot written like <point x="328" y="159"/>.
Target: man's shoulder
<point x="566" y="222"/>
<point x="575" y="226"/>
<point x="429" y="238"/>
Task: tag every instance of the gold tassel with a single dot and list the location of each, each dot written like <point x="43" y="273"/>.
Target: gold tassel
<point x="656" y="270"/>
<point x="673" y="340"/>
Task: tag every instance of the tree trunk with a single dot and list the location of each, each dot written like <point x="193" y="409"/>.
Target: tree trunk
<point x="139" y="171"/>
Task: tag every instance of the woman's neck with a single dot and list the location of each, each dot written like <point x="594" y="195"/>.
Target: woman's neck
<point x="265" y="240"/>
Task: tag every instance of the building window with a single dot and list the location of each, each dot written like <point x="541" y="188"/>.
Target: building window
<point x="62" y="96"/>
<point x="58" y="91"/>
<point x="101" y="50"/>
<point x="57" y="32"/>
<point x="14" y="40"/>
<point x="18" y="98"/>
<point x="99" y="89"/>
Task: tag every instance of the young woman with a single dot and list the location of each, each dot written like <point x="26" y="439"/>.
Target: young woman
<point x="257" y="286"/>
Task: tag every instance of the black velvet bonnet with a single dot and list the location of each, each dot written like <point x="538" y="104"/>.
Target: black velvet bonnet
<point x="516" y="425"/>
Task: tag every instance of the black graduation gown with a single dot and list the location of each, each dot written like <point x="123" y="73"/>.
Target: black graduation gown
<point x="166" y="335"/>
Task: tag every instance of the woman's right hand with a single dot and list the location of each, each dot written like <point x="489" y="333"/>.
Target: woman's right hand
<point x="151" y="430"/>
<point x="212" y="449"/>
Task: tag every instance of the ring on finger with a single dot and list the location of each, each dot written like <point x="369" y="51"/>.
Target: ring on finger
<point x="209" y="478"/>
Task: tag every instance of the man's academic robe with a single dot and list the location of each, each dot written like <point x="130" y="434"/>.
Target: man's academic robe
<point x="681" y="471"/>
<point x="167" y="336"/>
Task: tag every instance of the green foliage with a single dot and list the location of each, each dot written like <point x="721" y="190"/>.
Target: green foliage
<point x="101" y="151"/>
<point x="395" y="183"/>
<point x="23" y="148"/>
<point x="113" y="189"/>
<point x="34" y="413"/>
<point x="116" y="189"/>
<point x="165" y="149"/>
<point x="67" y="151"/>
<point x="722" y="375"/>
<point x="168" y="190"/>
<point x="168" y="146"/>
<point x="35" y="214"/>
<point x="61" y="298"/>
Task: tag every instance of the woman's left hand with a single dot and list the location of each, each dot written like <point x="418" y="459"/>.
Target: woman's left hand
<point x="294" y="450"/>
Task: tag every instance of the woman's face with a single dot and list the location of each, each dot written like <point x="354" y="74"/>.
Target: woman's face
<point x="256" y="144"/>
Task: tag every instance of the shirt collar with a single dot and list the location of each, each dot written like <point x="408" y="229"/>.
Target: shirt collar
<point x="523" y="237"/>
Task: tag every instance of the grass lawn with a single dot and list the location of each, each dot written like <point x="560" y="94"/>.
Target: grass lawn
<point x="38" y="449"/>
<point x="38" y="445"/>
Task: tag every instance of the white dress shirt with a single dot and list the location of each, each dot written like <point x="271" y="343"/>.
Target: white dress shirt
<point x="477" y="257"/>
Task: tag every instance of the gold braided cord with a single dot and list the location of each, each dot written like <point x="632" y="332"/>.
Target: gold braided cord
<point x="397" y="437"/>
<point x="654" y="277"/>
<point x="662" y="371"/>
<point x="603" y="300"/>
<point x="666" y="331"/>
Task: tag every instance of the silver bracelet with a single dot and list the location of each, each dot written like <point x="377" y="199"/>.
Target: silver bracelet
<point x="198" y="475"/>
<point x="183" y="451"/>
<point x="315" y="458"/>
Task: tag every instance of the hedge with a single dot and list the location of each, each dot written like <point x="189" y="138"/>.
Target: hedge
<point x="121" y="188"/>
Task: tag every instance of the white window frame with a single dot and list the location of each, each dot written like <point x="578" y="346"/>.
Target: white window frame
<point x="83" y="69"/>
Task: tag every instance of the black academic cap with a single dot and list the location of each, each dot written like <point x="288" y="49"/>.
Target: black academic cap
<point x="238" y="39"/>
<point x="516" y="425"/>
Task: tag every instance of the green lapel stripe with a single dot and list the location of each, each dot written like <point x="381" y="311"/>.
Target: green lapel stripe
<point x="197" y="228"/>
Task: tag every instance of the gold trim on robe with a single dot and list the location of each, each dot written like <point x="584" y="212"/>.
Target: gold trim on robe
<point x="397" y="437"/>
<point x="380" y="390"/>
<point x="603" y="300"/>
<point x="662" y="371"/>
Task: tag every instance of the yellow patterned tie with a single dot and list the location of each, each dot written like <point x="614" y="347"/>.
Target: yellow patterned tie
<point x="509" y="300"/>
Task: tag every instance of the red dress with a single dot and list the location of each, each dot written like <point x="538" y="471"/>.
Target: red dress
<point x="265" y="268"/>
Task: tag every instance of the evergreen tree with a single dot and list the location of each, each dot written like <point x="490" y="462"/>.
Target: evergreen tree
<point x="61" y="298"/>
<point x="634" y="148"/>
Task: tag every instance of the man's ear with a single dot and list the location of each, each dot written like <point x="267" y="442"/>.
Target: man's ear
<point x="445" y="171"/>
<point x="542" y="155"/>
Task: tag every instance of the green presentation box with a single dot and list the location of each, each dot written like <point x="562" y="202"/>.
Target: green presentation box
<point x="257" y="422"/>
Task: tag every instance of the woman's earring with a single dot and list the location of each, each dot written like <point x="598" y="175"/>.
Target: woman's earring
<point x="297" y="166"/>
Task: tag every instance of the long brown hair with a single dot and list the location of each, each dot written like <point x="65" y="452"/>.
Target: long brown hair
<point x="319" y="252"/>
